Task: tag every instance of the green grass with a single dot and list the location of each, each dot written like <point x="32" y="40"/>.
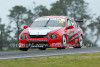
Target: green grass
<point x="74" y="60"/>
<point x="10" y="51"/>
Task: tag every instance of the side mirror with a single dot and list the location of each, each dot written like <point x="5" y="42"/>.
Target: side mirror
<point x="25" y="27"/>
<point x="70" y="27"/>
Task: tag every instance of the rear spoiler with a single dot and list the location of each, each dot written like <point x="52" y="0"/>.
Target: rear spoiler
<point x="79" y="21"/>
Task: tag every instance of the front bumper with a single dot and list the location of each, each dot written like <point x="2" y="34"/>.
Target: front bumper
<point x="40" y="42"/>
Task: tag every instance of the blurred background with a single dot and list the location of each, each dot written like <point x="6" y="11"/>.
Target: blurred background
<point x="14" y="14"/>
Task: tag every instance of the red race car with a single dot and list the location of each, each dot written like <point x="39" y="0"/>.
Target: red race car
<point x="51" y="32"/>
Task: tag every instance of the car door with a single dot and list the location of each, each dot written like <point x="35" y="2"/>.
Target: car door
<point x="77" y="34"/>
<point x="70" y="32"/>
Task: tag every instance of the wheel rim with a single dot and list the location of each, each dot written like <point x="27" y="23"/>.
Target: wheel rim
<point x="81" y="41"/>
<point x="64" y="40"/>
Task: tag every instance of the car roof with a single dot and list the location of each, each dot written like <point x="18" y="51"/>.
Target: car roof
<point x="63" y="17"/>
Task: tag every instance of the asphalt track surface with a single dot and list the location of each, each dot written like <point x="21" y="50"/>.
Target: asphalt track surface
<point x="37" y="53"/>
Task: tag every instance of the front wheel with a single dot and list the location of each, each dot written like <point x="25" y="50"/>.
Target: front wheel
<point x="23" y="49"/>
<point x="63" y="43"/>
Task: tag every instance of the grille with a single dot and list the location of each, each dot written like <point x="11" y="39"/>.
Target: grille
<point x="37" y="36"/>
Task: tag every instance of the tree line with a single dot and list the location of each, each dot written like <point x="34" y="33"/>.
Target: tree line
<point x="20" y="16"/>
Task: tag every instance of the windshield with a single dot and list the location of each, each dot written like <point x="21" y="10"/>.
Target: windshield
<point x="48" y="22"/>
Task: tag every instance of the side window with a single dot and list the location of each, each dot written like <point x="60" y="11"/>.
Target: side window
<point x="68" y="23"/>
<point x="74" y="24"/>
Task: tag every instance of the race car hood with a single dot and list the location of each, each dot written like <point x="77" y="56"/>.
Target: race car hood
<point x="41" y="30"/>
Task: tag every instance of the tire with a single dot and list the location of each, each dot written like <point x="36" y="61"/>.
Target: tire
<point x="80" y="42"/>
<point x="23" y="49"/>
<point x="63" y="43"/>
<point x="42" y="48"/>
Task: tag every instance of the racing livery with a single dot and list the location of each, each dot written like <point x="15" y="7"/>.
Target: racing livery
<point x="51" y="32"/>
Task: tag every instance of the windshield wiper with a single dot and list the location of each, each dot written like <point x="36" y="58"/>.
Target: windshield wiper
<point x="47" y="22"/>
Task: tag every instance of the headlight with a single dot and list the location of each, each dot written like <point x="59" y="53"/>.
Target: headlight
<point x="24" y="36"/>
<point x="52" y="36"/>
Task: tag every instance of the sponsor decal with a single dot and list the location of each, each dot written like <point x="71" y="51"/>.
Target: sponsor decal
<point x="58" y="19"/>
<point x="42" y="19"/>
<point x="56" y="44"/>
<point x="36" y="40"/>
<point x="71" y="34"/>
<point x="76" y="40"/>
<point x="72" y="38"/>
<point x="20" y="45"/>
<point x="38" y="45"/>
<point x="74" y="33"/>
<point x="61" y="22"/>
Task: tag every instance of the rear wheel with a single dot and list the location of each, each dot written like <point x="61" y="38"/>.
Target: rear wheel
<point x="80" y="42"/>
<point x="23" y="49"/>
<point x="63" y="43"/>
